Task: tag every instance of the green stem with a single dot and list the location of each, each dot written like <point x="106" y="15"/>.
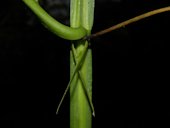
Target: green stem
<point x="80" y="108"/>
<point x="83" y="81"/>
<point x="53" y="25"/>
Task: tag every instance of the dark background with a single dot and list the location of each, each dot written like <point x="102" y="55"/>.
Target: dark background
<point x="130" y="66"/>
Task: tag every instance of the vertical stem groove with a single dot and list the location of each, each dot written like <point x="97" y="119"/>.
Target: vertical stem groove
<point x="81" y="14"/>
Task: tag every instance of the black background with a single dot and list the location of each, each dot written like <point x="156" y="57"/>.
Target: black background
<point x="130" y="66"/>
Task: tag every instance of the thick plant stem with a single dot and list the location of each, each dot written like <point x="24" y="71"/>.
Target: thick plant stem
<point x="80" y="109"/>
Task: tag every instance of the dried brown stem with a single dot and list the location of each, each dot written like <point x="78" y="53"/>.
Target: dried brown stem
<point x="127" y="22"/>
